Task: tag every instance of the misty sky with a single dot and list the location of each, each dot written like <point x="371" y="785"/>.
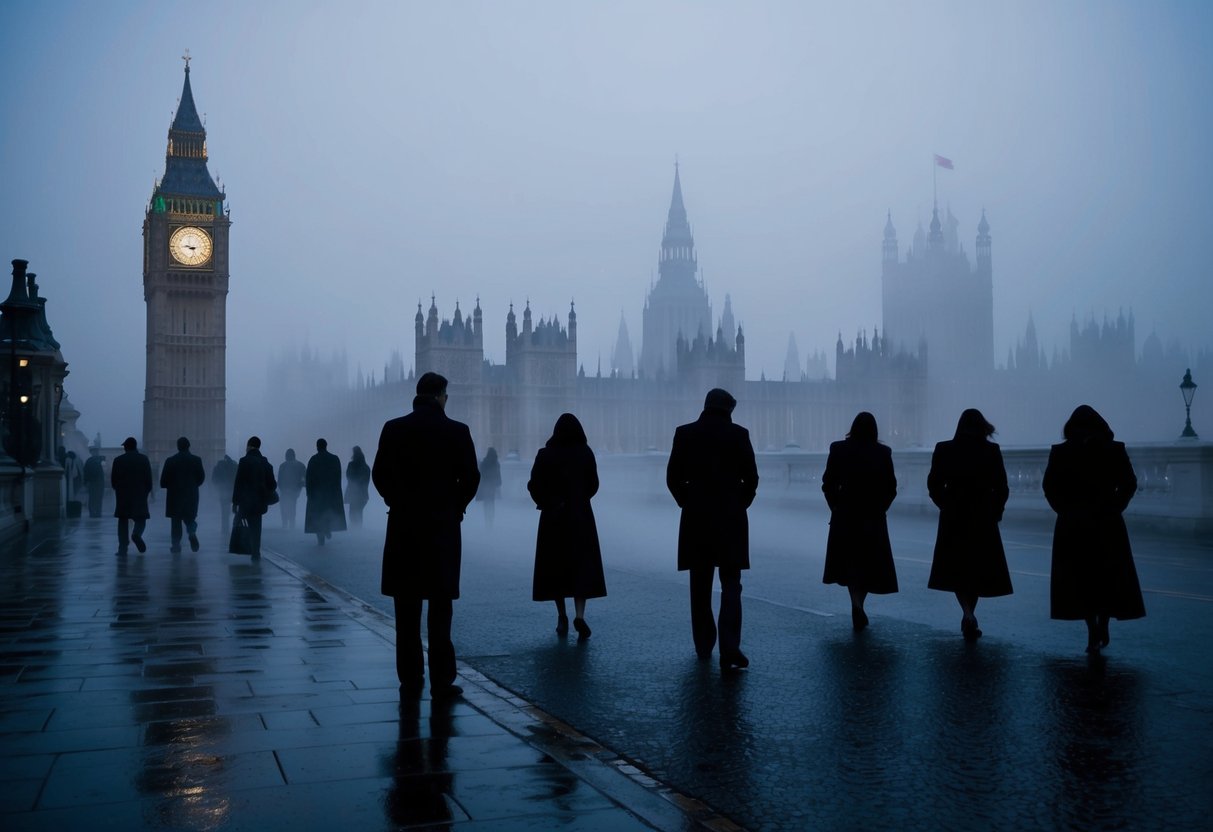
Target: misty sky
<point x="375" y="152"/>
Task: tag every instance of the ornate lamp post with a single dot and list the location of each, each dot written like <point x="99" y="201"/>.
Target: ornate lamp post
<point x="1188" y="388"/>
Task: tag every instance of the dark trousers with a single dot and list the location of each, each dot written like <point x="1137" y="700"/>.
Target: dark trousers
<point x="94" y="500"/>
<point x="703" y="628"/>
<point x="410" y="666"/>
<point x="288" y="506"/>
<point x="175" y="523"/>
<point x="124" y="533"/>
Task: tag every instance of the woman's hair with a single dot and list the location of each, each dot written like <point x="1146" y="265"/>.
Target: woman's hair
<point x="863" y="428"/>
<point x="1086" y="423"/>
<point x="490" y="454"/>
<point x="357" y="453"/>
<point x="568" y="431"/>
<point x="972" y="423"/>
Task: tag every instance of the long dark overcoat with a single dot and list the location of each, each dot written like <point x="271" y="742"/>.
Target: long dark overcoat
<point x="254" y="484"/>
<point x="180" y="477"/>
<point x="357" y="483"/>
<point x="969" y="484"/>
<point x="325" y="505"/>
<point x="568" y="559"/>
<point x="713" y="477"/>
<point x="859" y="487"/>
<point x="425" y="470"/>
<point x="1089" y="484"/>
<point x="131" y="479"/>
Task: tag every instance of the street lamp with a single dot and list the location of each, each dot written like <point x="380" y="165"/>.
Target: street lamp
<point x="1188" y="388"/>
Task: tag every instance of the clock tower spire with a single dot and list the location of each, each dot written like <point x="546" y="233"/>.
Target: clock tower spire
<point x="185" y="283"/>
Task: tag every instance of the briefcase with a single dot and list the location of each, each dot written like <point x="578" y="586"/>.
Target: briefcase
<point x="241" y="541"/>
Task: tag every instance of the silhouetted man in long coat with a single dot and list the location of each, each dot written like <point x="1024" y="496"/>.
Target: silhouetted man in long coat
<point x="713" y="477"/>
<point x="252" y="489"/>
<point x="94" y="481"/>
<point x="131" y="479"/>
<point x="181" y="475"/>
<point x="291" y="474"/>
<point x="325" y="511"/>
<point x="425" y="469"/>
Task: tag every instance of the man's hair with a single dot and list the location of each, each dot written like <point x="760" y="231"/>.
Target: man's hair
<point x="321" y="444"/>
<point x="720" y="400"/>
<point x="254" y="442"/>
<point x="183" y="444"/>
<point x="129" y="443"/>
<point x="431" y="384"/>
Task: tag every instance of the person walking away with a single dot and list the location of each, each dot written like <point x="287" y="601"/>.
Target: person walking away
<point x="968" y="482"/>
<point x="490" y="485"/>
<point x="859" y="486"/>
<point x="325" y="511"/>
<point x="252" y="490"/>
<point x="94" y="481"/>
<point x="223" y="477"/>
<point x="357" y="485"/>
<point x="425" y="470"/>
<point x="568" y="559"/>
<point x="1089" y="482"/>
<point x="73" y="478"/>
<point x="713" y="478"/>
<point x="131" y="479"/>
<point x="181" y="476"/>
<point x="291" y="474"/>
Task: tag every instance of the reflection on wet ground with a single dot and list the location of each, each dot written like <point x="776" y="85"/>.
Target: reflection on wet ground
<point x="210" y="691"/>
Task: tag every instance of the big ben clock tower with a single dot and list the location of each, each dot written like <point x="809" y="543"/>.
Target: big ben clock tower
<point x="185" y="278"/>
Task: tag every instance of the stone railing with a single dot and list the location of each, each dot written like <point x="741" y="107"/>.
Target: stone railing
<point x="1175" y="482"/>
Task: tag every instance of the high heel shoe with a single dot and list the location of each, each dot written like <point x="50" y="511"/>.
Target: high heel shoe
<point x="859" y="618"/>
<point x="562" y="625"/>
<point x="969" y="629"/>
<point x="583" y="629"/>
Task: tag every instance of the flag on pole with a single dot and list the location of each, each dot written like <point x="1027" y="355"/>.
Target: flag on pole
<point x="943" y="162"/>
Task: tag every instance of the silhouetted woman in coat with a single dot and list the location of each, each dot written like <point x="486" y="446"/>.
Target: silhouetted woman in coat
<point x="1089" y="483"/>
<point x="490" y="484"/>
<point x="325" y="512"/>
<point x="568" y="561"/>
<point x="860" y="486"/>
<point x="969" y="484"/>
<point x="357" y="486"/>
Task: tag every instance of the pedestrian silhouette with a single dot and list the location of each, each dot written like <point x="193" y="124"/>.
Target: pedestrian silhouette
<point x="94" y="481"/>
<point x="357" y="482"/>
<point x="859" y="487"/>
<point x="425" y="470"/>
<point x="131" y="479"/>
<point x="490" y="484"/>
<point x="325" y="511"/>
<point x="73" y="478"/>
<point x="568" y="560"/>
<point x="1089" y="482"/>
<point x="253" y="492"/>
<point x="291" y="475"/>
<point x="969" y="484"/>
<point x="713" y="478"/>
<point x="181" y="476"/>
<point x="223" y="477"/>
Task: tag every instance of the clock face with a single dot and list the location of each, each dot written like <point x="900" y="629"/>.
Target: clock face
<point x="190" y="246"/>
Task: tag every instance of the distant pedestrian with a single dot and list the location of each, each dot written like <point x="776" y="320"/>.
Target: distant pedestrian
<point x="969" y="484"/>
<point x="291" y="475"/>
<point x="73" y="478"/>
<point x="223" y="477"/>
<point x="253" y="491"/>
<point x="1089" y="482"/>
<point x="859" y="486"/>
<point x="325" y="511"/>
<point x="181" y="476"/>
<point x="357" y="486"/>
<point x="131" y="479"/>
<point x="425" y="470"/>
<point x="94" y="481"/>
<point x="490" y="484"/>
<point x="713" y="478"/>
<point x="568" y="560"/>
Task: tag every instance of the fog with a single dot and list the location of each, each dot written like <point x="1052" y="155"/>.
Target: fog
<point x="377" y="153"/>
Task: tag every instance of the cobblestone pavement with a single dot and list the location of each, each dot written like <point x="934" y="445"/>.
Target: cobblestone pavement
<point x="903" y="726"/>
<point x="213" y="692"/>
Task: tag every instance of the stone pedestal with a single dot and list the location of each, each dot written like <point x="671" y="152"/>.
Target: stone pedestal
<point x="49" y="502"/>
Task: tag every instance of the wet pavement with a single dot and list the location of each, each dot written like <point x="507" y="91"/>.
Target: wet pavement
<point x="215" y="692"/>
<point x="903" y="726"/>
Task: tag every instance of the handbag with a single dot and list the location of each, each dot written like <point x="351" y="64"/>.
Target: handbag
<point x="241" y="541"/>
